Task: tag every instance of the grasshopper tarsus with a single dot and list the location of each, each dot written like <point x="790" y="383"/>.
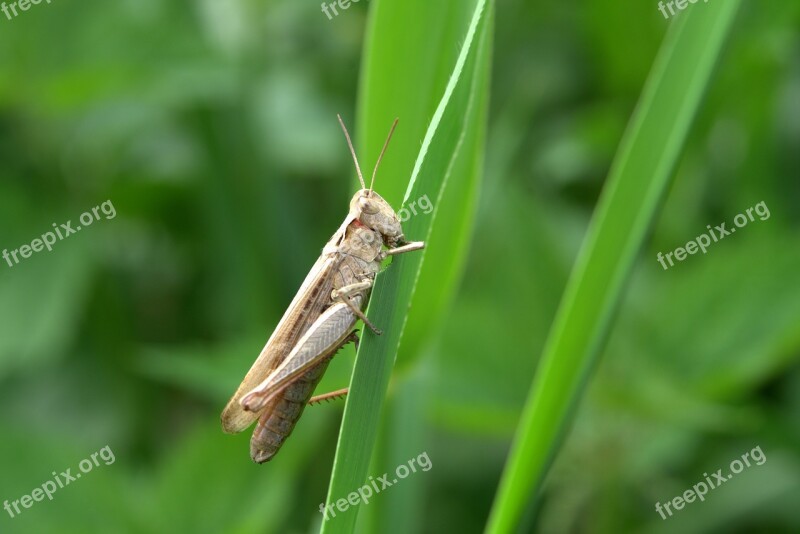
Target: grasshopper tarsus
<point x="375" y="329"/>
<point x="327" y="397"/>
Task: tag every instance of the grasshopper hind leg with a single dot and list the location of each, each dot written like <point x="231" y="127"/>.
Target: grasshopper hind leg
<point x="339" y="393"/>
<point x="352" y="338"/>
<point x="281" y="415"/>
<point x="327" y="397"/>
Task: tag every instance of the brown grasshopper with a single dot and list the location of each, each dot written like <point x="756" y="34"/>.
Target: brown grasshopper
<point x="319" y="320"/>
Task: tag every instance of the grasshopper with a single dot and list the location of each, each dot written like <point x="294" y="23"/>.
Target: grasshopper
<point x="319" y="321"/>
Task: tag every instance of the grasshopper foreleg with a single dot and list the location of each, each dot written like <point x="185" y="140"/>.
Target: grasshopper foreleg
<point x="408" y="247"/>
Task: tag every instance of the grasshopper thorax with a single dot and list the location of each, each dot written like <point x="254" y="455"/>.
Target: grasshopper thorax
<point x="371" y="210"/>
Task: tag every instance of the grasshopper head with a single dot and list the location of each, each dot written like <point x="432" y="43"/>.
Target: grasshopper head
<point x="375" y="213"/>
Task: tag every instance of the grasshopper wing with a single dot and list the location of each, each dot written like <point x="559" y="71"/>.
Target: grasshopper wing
<point x="305" y="308"/>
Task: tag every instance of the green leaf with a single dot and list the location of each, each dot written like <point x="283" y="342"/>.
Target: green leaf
<point x="637" y="182"/>
<point x="455" y="129"/>
<point x="401" y="79"/>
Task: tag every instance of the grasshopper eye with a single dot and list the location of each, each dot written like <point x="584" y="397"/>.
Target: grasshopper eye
<point x="368" y="206"/>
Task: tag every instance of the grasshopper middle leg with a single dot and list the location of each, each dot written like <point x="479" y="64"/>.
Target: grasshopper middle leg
<point x="343" y="294"/>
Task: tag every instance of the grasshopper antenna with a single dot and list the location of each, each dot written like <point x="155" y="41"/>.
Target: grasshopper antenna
<point x="385" y="146"/>
<point x="352" y="151"/>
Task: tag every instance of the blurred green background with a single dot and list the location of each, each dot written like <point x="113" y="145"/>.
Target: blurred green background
<point x="211" y="127"/>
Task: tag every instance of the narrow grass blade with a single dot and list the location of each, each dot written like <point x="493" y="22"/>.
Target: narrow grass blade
<point x="394" y="288"/>
<point x="637" y="182"/>
<point x="402" y="78"/>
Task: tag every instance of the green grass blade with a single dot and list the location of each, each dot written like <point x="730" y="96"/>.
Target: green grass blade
<point x="638" y="179"/>
<point x="402" y="78"/>
<point x="444" y="138"/>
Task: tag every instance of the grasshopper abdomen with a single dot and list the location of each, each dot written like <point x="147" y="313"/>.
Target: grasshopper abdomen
<point x="275" y="425"/>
